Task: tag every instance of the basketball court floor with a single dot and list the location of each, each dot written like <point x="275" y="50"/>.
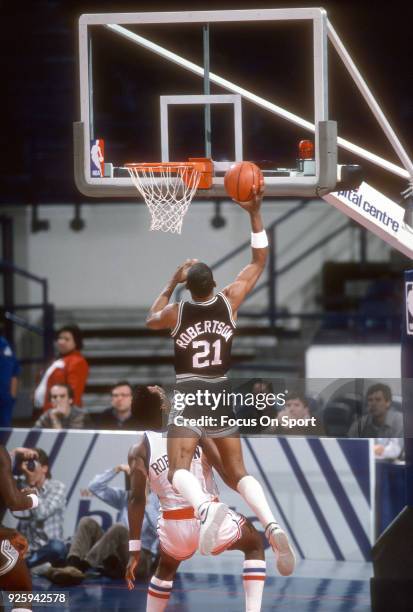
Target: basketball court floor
<point x="216" y="584"/>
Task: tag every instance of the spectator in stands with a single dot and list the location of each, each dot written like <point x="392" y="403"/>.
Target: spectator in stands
<point x="9" y="371"/>
<point x="119" y="415"/>
<point x="381" y="422"/>
<point x="71" y="368"/>
<point x="92" y="548"/>
<point x="63" y="414"/>
<point x="43" y="526"/>
<point x="298" y="407"/>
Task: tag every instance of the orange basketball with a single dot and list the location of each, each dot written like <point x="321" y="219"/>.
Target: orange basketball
<point x="240" y="179"/>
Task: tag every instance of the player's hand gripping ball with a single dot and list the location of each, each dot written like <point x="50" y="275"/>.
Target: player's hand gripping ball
<point x="243" y="181"/>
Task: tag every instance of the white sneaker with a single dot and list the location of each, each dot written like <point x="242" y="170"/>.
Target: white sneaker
<point x="211" y="517"/>
<point x="282" y="548"/>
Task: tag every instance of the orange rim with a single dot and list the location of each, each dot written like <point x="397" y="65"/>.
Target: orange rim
<point x="158" y="166"/>
<point x="203" y="165"/>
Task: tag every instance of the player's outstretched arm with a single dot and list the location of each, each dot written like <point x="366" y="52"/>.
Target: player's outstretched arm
<point x="163" y="315"/>
<point x="237" y="291"/>
<point x="9" y="493"/>
<point x="136" y="507"/>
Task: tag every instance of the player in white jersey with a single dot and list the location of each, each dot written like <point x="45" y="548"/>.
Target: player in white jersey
<point x="178" y="529"/>
<point x="201" y="357"/>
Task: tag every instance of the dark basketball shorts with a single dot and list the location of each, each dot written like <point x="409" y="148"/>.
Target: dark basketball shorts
<point x="203" y="407"/>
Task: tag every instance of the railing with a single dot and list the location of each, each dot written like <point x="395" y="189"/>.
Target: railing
<point x="247" y="245"/>
<point x="273" y="274"/>
<point x="10" y="308"/>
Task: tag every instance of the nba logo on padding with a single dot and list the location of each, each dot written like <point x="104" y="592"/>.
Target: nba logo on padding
<point x="409" y="308"/>
<point x="97" y="158"/>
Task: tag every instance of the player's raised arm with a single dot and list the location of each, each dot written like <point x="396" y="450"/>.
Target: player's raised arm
<point x="237" y="291"/>
<point x="163" y="315"/>
<point x="136" y="507"/>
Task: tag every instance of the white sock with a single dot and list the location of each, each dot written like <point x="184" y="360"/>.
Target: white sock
<point x="253" y="581"/>
<point x="21" y="610"/>
<point x="252" y="492"/>
<point x="159" y="592"/>
<point x="188" y="486"/>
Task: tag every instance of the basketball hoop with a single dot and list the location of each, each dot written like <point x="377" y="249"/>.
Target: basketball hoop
<point x="169" y="187"/>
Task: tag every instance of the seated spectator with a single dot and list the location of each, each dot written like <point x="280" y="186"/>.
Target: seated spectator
<point x="43" y="526"/>
<point x="297" y="406"/>
<point x="71" y="368"/>
<point x="109" y="552"/>
<point x="63" y="414"/>
<point x="119" y="415"/>
<point x="382" y="420"/>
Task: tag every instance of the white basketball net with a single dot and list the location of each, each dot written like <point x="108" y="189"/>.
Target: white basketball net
<point x="167" y="190"/>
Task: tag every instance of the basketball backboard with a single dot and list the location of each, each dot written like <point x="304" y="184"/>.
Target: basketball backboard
<point x="180" y="78"/>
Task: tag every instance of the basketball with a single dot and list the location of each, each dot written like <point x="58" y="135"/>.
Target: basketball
<point x="241" y="178"/>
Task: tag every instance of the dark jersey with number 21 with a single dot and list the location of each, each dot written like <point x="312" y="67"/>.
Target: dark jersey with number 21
<point x="203" y="337"/>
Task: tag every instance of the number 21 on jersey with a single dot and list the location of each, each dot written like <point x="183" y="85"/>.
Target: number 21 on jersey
<point x="202" y="359"/>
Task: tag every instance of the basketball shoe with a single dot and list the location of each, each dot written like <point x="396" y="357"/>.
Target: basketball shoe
<point x="211" y="516"/>
<point x="282" y="548"/>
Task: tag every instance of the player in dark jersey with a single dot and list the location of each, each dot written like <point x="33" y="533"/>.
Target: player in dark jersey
<point x="202" y="329"/>
<point x="203" y="333"/>
<point x="14" y="573"/>
<point x="202" y="342"/>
